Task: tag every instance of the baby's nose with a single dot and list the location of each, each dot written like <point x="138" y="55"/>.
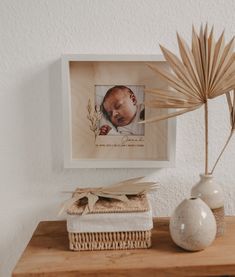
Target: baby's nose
<point x="115" y="113"/>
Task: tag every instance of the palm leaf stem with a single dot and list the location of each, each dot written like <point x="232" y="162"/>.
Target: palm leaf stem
<point x="206" y="136"/>
<point x="222" y="151"/>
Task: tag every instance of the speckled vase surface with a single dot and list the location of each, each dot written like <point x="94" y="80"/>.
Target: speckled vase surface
<point x="212" y="194"/>
<point x="193" y="225"/>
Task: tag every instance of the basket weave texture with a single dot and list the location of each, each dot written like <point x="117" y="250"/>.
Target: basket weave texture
<point x="110" y="240"/>
<point x="220" y="221"/>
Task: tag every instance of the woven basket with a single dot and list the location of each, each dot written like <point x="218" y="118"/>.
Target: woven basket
<point x="109" y="240"/>
<point x="220" y="221"/>
<point x="79" y="241"/>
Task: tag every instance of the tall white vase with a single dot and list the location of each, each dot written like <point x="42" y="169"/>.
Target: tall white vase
<point x="211" y="193"/>
<point x="192" y="225"/>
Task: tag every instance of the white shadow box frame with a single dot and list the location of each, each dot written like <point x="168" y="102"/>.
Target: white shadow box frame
<point x="86" y="76"/>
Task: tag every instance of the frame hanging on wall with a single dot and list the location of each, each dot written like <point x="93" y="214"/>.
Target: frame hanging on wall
<point x="103" y="99"/>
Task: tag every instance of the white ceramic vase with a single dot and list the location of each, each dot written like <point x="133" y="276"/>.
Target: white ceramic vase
<point x="212" y="194"/>
<point x="193" y="225"/>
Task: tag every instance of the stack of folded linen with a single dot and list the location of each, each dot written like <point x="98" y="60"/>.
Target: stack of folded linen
<point x="111" y="224"/>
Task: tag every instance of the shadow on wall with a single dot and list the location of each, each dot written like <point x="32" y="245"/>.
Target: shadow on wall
<point x="29" y="141"/>
<point x="56" y="115"/>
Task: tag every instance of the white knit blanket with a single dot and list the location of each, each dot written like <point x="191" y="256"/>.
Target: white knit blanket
<point x="110" y="222"/>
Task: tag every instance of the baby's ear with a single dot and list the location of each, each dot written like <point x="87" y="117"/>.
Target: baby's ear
<point x="133" y="98"/>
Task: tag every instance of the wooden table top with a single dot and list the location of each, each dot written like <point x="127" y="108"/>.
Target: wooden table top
<point x="47" y="254"/>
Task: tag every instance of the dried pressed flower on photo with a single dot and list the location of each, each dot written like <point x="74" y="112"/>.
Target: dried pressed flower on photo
<point x="94" y="115"/>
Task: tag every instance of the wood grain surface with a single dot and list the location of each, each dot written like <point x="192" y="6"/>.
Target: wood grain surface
<point x="47" y="254"/>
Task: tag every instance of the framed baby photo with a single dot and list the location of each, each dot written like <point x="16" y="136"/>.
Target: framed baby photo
<point x="103" y="104"/>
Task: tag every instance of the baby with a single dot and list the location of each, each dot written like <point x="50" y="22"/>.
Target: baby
<point x="120" y="107"/>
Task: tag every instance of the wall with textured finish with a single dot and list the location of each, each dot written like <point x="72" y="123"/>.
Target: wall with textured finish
<point x="34" y="34"/>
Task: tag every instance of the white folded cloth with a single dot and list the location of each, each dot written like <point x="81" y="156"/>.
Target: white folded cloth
<point x="110" y="222"/>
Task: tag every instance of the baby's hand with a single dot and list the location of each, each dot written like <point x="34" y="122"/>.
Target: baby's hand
<point x="104" y="130"/>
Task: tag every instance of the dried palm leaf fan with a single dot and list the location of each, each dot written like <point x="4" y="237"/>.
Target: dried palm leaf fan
<point x="204" y="72"/>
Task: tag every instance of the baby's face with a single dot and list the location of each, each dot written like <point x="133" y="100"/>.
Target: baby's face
<point x="120" y="107"/>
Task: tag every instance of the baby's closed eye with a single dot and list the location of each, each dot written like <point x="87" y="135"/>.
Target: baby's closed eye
<point x="118" y="106"/>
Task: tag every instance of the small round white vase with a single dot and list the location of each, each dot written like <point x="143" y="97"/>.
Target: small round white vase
<point x="212" y="194"/>
<point x="193" y="225"/>
<point x="209" y="191"/>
